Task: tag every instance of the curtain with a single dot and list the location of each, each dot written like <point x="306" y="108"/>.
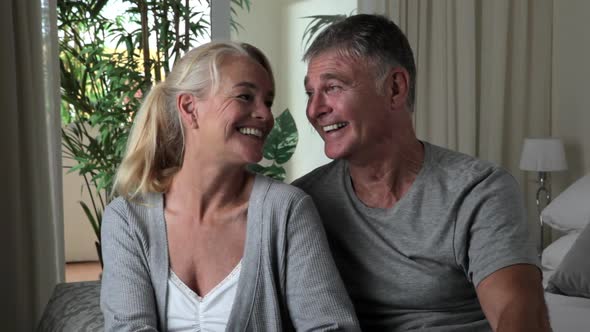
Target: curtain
<point x="31" y="234"/>
<point x="484" y="75"/>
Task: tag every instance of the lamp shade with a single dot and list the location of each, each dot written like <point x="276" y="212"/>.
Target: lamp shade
<point x="543" y="155"/>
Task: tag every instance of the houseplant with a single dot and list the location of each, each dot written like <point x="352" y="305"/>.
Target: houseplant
<point x="106" y="65"/>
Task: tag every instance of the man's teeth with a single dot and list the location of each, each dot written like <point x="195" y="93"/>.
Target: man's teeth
<point x="251" y="131"/>
<point x="334" y="126"/>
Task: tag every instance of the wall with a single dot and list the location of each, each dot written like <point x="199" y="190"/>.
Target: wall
<point x="276" y="27"/>
<point x="79" y="237"/>
<point x="571" y="86"/>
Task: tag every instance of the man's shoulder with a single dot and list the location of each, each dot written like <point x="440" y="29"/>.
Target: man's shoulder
<point x="462" y="169"/>
<point x="319" y="177"/>
<point x="459" y="161"/>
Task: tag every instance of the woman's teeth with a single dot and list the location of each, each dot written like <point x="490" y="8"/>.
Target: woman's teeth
<point x="251" y="131"/>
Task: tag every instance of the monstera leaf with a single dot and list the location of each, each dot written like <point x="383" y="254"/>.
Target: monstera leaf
<point x="282" y="140"/>
<point x="279" y="147"/>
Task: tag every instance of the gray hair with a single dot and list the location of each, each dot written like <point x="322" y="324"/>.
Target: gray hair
<point x="374" y="38"/>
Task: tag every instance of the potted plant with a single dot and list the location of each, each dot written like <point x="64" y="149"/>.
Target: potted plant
<point x="106" y="65"/>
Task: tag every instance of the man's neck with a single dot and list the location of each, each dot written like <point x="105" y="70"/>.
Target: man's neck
<point x="381" y="181"/>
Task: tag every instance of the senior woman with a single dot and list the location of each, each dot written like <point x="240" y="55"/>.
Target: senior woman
<point x="195" y="242"/>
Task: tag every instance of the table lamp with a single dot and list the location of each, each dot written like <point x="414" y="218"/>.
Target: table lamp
<point x="543" y="155"/>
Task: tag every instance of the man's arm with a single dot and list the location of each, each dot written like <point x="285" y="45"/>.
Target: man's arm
<point x="512" y="299"/>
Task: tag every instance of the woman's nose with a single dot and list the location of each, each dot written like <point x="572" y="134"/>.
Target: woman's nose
<point x="262" y="111"/>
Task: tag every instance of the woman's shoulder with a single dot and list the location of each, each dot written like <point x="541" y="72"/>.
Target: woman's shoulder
<point x="139" y="211"/>
<point x="277" y="191"/>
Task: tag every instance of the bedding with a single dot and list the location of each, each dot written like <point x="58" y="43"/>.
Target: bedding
<point x="572" y="276"/>
<point x="568" y="313"/>
<point x="570" y="210"/>
<point x="556" y="251"/>
<point x="566" y="267"/>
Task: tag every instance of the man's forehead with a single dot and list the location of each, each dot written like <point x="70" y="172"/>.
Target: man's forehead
<point x="345" y="70"/>
<point x="331" y="65"/>
<point x="325" y="76"/>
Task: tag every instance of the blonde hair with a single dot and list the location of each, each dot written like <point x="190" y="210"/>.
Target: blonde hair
<point x="155" y="148"/>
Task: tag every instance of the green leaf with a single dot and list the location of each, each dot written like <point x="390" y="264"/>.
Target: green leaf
<point x="282" y="140"/>
<point x="317" y="24"/>
<point x="256" y="168"/>
<point x="92" y="219"/>
<point x="274" y="171"/>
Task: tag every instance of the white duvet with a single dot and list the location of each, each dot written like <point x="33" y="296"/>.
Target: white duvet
<point x="567" y="313"/>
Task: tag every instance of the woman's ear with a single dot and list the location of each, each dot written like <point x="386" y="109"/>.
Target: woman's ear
<point x="187" y="106"/>
<point x="399" y="83"/>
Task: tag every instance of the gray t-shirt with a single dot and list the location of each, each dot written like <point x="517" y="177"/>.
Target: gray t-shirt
<point x="415" y="266"/>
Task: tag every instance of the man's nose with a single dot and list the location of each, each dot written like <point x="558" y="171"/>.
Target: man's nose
<point x="316" y="106"/>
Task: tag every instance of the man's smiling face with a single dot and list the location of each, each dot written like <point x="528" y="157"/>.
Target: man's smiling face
<point x="344" y="104"/>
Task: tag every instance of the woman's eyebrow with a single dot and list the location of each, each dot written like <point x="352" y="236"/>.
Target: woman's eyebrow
<point x="246" y="84"/>
<point x="252" y="86"/>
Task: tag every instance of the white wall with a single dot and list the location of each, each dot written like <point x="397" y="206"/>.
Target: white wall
<point x="276" y="27"/>
<point x="571" y="87"/>
<point x="79" y="237"/>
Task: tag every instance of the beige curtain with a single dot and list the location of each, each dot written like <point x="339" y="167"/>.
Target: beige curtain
<point x="31" y="234"/>
<point x="484" y="75"/>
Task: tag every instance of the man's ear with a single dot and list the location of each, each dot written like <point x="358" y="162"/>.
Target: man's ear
<point x="187" y="106"/>
<point x="399" y="84"/>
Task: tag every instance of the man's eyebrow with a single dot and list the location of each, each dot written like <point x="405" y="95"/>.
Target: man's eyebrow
<point x="326" y="77"/>
<point x="330" y="76"/>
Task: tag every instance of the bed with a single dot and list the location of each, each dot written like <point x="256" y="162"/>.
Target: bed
<point x="566" y="261"/>
<point x="567" y="313"/>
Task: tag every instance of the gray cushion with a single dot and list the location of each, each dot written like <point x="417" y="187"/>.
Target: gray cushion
<point x="572" y="277"/>
<point x="73" y="307"/>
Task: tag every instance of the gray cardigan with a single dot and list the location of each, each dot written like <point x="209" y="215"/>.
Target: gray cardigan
<point x="288" y="279"/>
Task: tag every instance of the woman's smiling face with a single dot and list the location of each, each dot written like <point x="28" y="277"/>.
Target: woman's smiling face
<point x="235" y="119"/>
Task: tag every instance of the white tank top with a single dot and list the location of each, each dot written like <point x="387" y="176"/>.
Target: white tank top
<point x="187" y="311"/>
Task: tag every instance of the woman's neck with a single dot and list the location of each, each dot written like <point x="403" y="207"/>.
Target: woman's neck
<point x="200" y="188"/>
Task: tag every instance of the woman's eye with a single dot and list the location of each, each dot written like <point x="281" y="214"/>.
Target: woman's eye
<point x="245" y="97"/>
<point x="268" y="104"/>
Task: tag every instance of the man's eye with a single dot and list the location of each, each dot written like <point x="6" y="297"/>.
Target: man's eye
<point x="333" y="88"/>
<point x="309" y="93"/>
<point x="268" y="103"/>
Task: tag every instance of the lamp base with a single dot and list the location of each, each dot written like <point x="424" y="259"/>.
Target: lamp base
<point x="542" y="179"/>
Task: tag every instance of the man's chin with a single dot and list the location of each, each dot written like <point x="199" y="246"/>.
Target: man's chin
<point x="334" y="153"/>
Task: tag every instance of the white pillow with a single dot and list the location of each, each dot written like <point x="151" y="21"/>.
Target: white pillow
<point x="554" y="253"/>
<point x="570" y="211"/>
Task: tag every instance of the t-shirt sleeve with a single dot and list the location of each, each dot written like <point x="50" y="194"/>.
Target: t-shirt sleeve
<point x="492" y="229"/>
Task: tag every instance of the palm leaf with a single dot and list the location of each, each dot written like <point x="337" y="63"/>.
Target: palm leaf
<point x="317" y="24"/>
